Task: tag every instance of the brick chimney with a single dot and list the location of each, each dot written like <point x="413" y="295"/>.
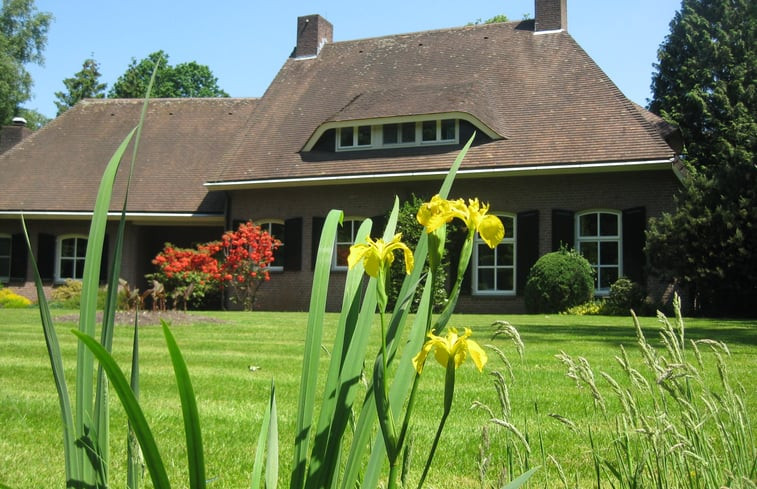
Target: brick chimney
<point x="313" y="31"/>
<point x="550" y="15"/>
<point x="13" y="134"/>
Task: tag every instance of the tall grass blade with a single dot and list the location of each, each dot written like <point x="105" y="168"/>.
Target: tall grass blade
<point x="134" y="467"/>
<point x="56" y="365"/>
<point x="134" y="413"/>
<point x="195" y="457"/>
<point x="272" y="461"/>
<point x="308" y="383"/>
<point x="518" y="482"/>
<point x="264" y="441"/>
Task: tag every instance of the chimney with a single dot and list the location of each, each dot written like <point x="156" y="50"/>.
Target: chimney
<point x="313" y="31"/>
<point x="550" y="15"/>
<point x="13" y="134"/>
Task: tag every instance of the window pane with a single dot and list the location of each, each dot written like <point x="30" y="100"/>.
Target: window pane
<point x="448" y="129"/>
<point x="429" y="130"/>
<point x="486" y="279"/>
<point x="589" y="251"/>
<point x="81" y="248"/>
<point x="505" y="279"/>
<point x="588" y="225"/>
<point x="408" y="132"/>
<point x="608" y="253"/>
<point x="67" y="247"/>
<point x="364" y="135"/>
<point x="344" y="233"/>
<point x="277" y="230"/>
<point x="342" y="252"/>
<point x="67" y="269"/>
<point x="608" y="224"/>
<point x="507" y="222"/>
<point x="485" y="255"/>
<point x="505" y="255"/>
<point x="607" y="276"/>
<point x="5" y="246"/>
<point x="390" y="133"/>
<point x="345" y="136"/>
<point x="79" y="268"/>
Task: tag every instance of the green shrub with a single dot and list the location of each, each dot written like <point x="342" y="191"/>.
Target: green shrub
<point x="591" y="308"/>
<point x="11" y="300"/>
<point x="624" y="296"/>
<point x="68" y="295"/>
<point x="558" y="281"/>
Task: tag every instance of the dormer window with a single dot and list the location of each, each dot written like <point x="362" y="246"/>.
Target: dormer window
<point x="398" y="134"/>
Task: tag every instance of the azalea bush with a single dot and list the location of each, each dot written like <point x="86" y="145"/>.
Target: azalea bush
<point x="238" y="262"/>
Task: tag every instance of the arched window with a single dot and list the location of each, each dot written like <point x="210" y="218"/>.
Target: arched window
<point x="494" y="270"/>
<point x="598" y="239"/>
<point x="345" y="237"/>
<point x="5" y="257"/>
<point x="70" y="253"/>
<point x="275" y="227"/>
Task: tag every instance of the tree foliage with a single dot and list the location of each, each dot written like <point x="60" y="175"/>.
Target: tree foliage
<point x="23" y="36"/>
<point x="84" y="84"/>
<point x="705" y="84"/>
<point x="183" y="80"/>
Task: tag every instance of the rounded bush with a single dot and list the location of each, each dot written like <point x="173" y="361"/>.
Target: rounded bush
<point x="624" y="296"/>
<point x="558" y="281"/>
<point x="11" y="300"/>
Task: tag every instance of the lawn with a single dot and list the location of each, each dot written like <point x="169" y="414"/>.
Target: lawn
<point x="232" y="395"/>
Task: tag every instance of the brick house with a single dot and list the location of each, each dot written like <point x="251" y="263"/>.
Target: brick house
<point x="559" y="153"/>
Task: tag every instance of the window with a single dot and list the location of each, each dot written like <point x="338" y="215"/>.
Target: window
<point x="494" y="269"/>
<point x="345" y="237"/>
<point x="598" y="240"/>
<point x="276" y="229"/>
<point x="5" y="257"/>
<point x="70" y="253"/>
<point x="398" y="134"/>
<point x="355" y="137"/>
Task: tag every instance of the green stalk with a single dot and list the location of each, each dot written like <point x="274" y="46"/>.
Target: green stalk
<point x="449" y="392"/>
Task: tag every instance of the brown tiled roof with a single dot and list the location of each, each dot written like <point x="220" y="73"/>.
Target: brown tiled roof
<point x="545" y="97"/>
<point x="58" y="168"/>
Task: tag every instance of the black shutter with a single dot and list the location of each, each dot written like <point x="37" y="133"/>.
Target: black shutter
<point x="293" y="244"/>
<point x="19" y="258"/>
<point x="379" y="223"/>
<point x="315" y="239"/>
<point x="46" y="256"/>
<point x="634" y="239"/>
<point x="563" y="229"/>
<point x="527" y="247"/>
<point x="104" y="265"/>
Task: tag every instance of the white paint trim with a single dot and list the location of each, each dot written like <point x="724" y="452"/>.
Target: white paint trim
<point x="553" y="31"/>
<point x="604" y="167"/>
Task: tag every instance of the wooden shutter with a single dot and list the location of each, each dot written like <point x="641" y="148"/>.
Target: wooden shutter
<point x="46" y="256"/>
<point x="634" y="239"/>
<point x="315" y="239"/>
<point x="19" y="258"/>
<point x="293" y="244"/>
<point x="563" y="229"/>
<point x="527" y="247"/>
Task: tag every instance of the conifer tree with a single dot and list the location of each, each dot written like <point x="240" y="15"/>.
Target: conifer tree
<point x="84" y="84"/>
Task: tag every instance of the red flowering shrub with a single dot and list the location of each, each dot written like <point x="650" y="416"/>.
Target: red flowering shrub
<point x="239" y="262"/>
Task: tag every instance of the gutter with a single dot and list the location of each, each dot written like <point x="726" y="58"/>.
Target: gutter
<point x="574" y="168"/>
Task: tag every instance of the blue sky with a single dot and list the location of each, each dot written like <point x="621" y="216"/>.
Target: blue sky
<point x="245" y="42"/>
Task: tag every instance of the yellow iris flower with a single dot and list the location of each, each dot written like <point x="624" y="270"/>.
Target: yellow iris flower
<point x="376" y="254"/>
<point x="454" y="347"/>
<point x="438" y="212"/>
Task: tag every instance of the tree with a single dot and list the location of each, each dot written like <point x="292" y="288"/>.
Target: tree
<point x="493" y="20"/>
<point x="23" y="35"/>
<point x="183" y="80"/>
<point x="705" y="84"/>
<point x="84" y="84"/>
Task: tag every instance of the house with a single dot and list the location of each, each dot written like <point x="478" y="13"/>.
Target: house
<point x="559" y="153"/>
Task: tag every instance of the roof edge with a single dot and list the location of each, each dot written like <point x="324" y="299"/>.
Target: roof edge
<point x="140" y="217"/>
<point x="555" y="169"/>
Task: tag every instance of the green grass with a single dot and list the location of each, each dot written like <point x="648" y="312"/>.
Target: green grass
<point x="232" y="398"/>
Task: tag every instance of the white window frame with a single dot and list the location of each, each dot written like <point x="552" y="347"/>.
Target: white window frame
<point x="377" y="135"/>
<point x="509" y="239"/>
<point x="265" y="224"/>
<point x="58" y="255"/>
<point x="8" y="257"/>
<point x="354" y="223"/>
<point x="600" y="288"/>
